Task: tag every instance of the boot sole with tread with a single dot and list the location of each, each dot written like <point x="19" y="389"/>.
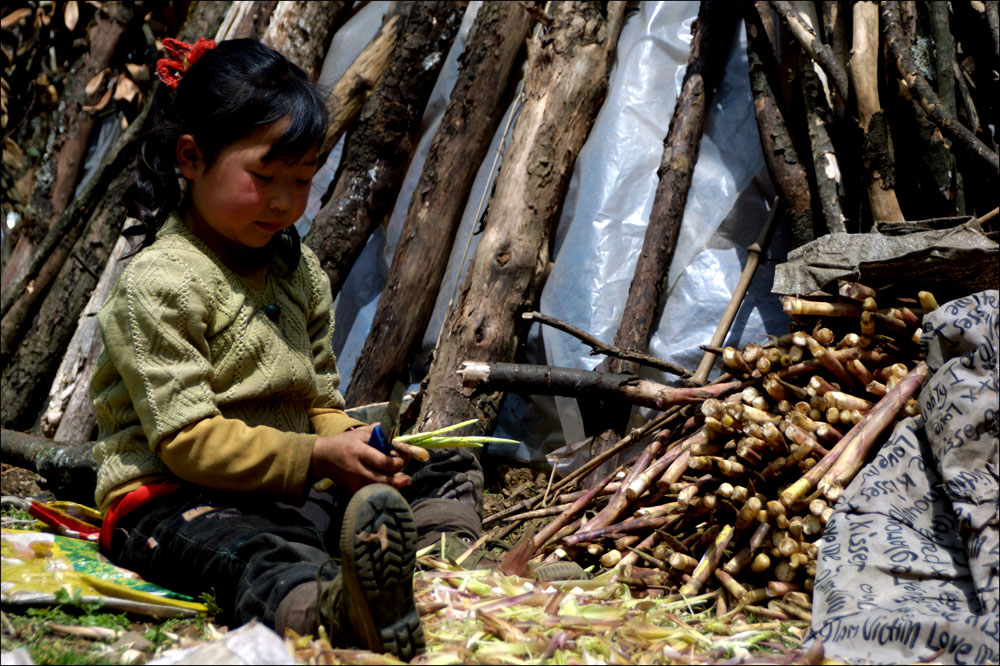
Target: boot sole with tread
<point x="377" y="547"/>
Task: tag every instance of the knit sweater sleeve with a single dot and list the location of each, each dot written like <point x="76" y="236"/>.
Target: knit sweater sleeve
<point x="155" y="335"/>
<point x="327" y="413"/>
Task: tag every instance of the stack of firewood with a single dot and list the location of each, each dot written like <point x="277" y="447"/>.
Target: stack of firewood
<point x="733" y="492"/>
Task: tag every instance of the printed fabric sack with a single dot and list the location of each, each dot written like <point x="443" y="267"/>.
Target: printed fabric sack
<point x="908" y="566"/>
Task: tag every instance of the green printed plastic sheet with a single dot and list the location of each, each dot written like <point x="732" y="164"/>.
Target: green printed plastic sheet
<point x="37" y="565"/>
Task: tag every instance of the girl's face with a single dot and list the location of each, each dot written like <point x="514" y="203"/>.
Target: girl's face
<point x="241" y="197"/>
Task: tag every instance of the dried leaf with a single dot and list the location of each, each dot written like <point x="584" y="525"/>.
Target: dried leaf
<point x="139" y="73"/>
<point x="100" y="105"/>
<point x="95" y="83"/>
<point x="71" y="15"/>
<point x="14" y="17"/>
<point x="12" y="155"/>
<point x="126" y="88"/>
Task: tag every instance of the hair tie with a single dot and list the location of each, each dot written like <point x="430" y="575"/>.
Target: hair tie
<point x="181" y="56"/>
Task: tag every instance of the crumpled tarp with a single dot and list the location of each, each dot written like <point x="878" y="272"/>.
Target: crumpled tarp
<point x="941" y="255"/>
<point x="908" y="566"/>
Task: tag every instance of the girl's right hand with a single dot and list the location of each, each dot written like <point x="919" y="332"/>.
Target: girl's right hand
<point x="351" y="463"/>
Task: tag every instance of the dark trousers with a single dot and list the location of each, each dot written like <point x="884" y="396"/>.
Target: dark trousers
<point x="247" y="553"/>
<point x="250" y="552"/>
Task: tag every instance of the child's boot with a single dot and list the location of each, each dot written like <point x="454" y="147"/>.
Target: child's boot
<point x="371" y="603"/>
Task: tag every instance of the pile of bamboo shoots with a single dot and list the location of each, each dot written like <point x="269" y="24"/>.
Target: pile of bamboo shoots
<point x="732" y="493"/>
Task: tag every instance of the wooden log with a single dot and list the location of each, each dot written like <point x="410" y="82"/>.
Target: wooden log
<point x="917" y="85"/>
<point x="826" y="166"/>
<point x="246" y="18"/>
<point x="87" y="232"/>
<point x="944" y="66"/>
<point x="69" y="469"/>
<point x="876" y="150"/>
<point x="550" y="380"/>
<point x="832" y="19"/>
<point x="780" y="154"/>
<point x="63" y="162"/>
<point x="380" y="146"/>
<point x="477" y="104"/>
<point x="68" y="415"/>
<point x="712" y="35"/>
<point x="58" y="177"/>
<point x="349" y="94"/>
<point x="302" y="31"/>
<point x="805" y="33"/>
<point x="565" y="80"/>
<point x="36" y="358"/>
<point x="925" y="161"/>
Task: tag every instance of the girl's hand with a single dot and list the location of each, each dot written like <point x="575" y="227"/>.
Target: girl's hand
<point x="351" y="463"/>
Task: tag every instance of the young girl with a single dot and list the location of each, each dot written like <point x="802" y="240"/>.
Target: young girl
<point x="216" y="394"/>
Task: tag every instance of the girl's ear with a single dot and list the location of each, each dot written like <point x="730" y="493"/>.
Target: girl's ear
<point x="190" y="159"/>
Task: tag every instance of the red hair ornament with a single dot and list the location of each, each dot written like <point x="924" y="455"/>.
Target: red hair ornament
<point x="181" y="56"/>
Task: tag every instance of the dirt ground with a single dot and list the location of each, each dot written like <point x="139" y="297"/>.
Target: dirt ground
<point x="19" y="482"/>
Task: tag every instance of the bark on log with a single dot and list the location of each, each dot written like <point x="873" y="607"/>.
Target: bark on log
<point x="68" y="415"/>
<point x="944" y="65"/>
<point x="817" y="50"/>
<point x="60" y="171"/>
<point x="246" y="18"/>
<point x="474" y="111"/>
<point x="549" y="380"/>
<point x="833" y="34"/>
<point x="33" y="363"/>
<point x="69" y="469"/>
<point x="87" y="232"/>
<point x="565" y="82"/>
<point x="826" y="166"/>
<point x="712" y="35"/>
<point x="302" y="31"/>
<point x="925" y="162"/>
<point x="351" y="91"/>
<point x="876" y="151"/>
<point x="782" y="159"/>
<point x="378" y="149"/>
<point x="914" y="81"/>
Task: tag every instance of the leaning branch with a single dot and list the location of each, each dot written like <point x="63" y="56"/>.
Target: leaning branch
<point x="549" y="380"/>
<point x="598" y="347"/>
<point x="816" y="49"/>
<point x="913" y="81"/>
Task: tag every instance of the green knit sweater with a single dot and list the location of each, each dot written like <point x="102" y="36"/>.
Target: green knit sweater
<point x="187" y="341"/>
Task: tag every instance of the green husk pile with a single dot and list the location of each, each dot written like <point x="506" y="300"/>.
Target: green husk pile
<point x="485" y="617"/>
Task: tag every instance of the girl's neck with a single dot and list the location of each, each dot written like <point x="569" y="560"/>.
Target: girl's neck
<point x="242" y="259"/>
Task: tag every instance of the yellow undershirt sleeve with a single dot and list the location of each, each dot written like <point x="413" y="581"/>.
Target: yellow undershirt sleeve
<point x="227" y="454"/>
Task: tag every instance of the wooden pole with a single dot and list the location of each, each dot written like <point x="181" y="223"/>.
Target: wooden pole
<point x="565" y="80"/>
<point x="302" y="31"/>
<point x="380" y="146"/>
<point x="549" y="380"/>
<point x="712" y="35"/>
<point x="754" y="253"/>
<point x="474" y="111"/>
<point x="783" y="163"/>
<point x="876" y="146"/>
<point x="916" y="84"/>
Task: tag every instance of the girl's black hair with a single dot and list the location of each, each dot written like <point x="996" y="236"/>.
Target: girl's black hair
<point x="230" y="91"/>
